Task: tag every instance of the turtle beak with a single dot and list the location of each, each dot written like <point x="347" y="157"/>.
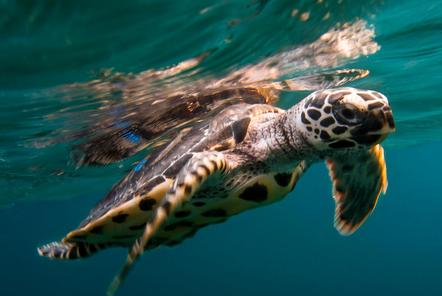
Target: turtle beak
<point x="390" y="122"/>
<point x="388" y="126"/>
<point x="376" y="128"/>
<point x="384" y="119"/>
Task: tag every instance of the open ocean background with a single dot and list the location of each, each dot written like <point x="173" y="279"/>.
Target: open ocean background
<point x="289" y="248"/>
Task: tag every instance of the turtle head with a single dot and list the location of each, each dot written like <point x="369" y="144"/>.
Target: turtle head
<point x="345" y="118"/>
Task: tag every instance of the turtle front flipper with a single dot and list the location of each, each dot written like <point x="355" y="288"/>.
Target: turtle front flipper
<point x="199" y="168"/>
<point x="358" y="179"/>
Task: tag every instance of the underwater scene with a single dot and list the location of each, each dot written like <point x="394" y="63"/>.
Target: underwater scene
<point x="242" y="144"/>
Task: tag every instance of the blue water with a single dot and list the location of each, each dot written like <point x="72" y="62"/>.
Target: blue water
<point x="286" y="248"/>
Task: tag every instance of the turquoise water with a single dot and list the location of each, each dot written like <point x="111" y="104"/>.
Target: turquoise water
<point x="287" y="248"/>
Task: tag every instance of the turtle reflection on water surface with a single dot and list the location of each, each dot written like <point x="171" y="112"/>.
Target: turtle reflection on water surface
<point x="151" y="106"/>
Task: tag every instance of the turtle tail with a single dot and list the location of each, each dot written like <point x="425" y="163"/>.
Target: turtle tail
<point x="69" y="251"/>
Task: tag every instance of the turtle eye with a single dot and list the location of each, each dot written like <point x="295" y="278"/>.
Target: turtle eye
<point x="348" y="114"/>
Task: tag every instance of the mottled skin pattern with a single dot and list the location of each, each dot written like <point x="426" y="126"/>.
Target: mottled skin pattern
<point x="247" y="156"/>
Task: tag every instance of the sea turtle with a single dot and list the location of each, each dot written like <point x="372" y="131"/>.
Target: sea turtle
<point x="247" y="156"/>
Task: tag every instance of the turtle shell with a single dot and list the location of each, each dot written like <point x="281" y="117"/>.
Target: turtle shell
<point x="120" y="217"/>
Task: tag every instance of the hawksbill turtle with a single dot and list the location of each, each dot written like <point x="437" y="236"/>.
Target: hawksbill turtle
<point x="247" y="156"/>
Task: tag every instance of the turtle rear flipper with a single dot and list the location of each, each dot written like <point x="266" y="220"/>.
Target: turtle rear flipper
<point x="201" y="167"/>
<point x="358" y="180"/>
<point x="69" y="251"/>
